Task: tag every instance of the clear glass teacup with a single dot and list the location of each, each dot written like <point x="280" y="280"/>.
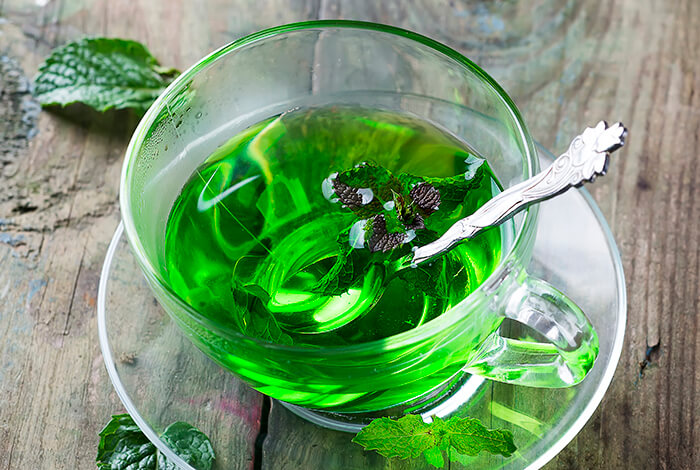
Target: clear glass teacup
<point x="357" y="64"/>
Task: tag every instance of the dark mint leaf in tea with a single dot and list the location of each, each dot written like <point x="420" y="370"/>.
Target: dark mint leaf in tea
<point x="297" y="229"/>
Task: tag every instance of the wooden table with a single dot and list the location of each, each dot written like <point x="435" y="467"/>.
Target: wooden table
<point x="566" y="64"/>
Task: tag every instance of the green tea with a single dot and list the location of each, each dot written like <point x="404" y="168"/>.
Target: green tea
<point x="258" y="240"/>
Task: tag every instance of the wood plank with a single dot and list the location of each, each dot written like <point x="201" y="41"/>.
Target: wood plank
<point x="567" y="65"/>
<point x="58" y="210"/>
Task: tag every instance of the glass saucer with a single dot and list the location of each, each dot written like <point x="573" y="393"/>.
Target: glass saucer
<point x="162" y="378"/>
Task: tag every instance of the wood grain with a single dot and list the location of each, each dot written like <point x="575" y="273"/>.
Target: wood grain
<point x="58" y="210"/>
<point x="566" y="64"/>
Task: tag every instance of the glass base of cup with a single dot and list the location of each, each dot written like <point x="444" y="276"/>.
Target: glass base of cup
<point x="441" y="402"/>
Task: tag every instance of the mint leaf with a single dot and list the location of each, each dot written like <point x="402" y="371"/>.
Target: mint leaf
<point x="409" y="437"/>
<point x="102" y="73"/>
<point x="365" y="188"/>
<point x="392" y="211"/>
<point x="434" y="457"/>
<point x="406" y="437"/>
<point x="341" y="276"/>
<point x="191" y="444"/>
<point x="469" y="437"/>
<point x="426" y="197"/>
<point x="426" y="278"/>
<point x="124" y="447"/>
<point x="350" y="266"/>
<point x="254" y="318"/>
<point x="393" y="207"/>
<point x="382" y="237"/>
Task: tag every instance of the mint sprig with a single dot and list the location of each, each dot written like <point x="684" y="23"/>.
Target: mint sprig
<point x="391" y="213"/>
<point x="409" y="437"/>
<point x="392" y="208"/>
<point x="103" y="73"/>
<point x="124" y="447"/>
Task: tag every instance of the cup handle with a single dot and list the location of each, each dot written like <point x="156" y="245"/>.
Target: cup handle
<point x="564" y="361"/>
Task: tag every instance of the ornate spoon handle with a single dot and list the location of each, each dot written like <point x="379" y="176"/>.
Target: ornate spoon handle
<point x="587" y="157"/>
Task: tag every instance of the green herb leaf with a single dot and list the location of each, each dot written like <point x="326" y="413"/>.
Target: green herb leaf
<point x="254" y="317"/>
<point x="349" y="267"/>
<point x="427" y="278"/>
<point x="434" y="457"/>
<point x="365" y="188"/>
<point x="406" y="437"/>
<point x="340" y="277"/>
<point x="124" y="447"/>
<point x="426" y="197"/>
<point x="409" y="437"/>
<point x="102" y="73"/>
<point x="383" y="236"/>
<point x="391" y="206"/>
<point x="191" y="444"/>
<point x="469" y="437"/>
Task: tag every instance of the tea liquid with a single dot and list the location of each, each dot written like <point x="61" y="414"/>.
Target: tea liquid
<point x="252" y="231"/>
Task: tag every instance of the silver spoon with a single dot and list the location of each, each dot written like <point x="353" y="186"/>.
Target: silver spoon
<point x="587" y="157"/>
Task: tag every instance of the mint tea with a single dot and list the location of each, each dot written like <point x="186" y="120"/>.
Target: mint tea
<point x="299" y="231"/>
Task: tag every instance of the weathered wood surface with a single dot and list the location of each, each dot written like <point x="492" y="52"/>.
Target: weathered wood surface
<point x="566" y="63"/>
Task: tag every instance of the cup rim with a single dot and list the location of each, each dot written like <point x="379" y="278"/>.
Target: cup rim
<point x="522" y="239"/>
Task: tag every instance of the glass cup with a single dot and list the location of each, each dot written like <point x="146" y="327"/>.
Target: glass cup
<point x="546" y="341"/>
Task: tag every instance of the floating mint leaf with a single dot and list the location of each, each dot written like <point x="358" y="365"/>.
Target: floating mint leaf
<point x="365" y="188"/>
<point x="383" y="238"/>
<point x="347" y="195"/>
<point x="395" y="210"/>
<point x="409" y="437"/>
<point x="426" y="197"/>
<point x="124" y="447"/>
<point x="254" y="318"/>
<point x="103" y="73"/>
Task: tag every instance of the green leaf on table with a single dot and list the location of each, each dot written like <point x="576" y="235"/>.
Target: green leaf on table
<point x="409" y="437"/>
<point x="191" y="444"/>
<point x="124" y="447"/>
<point x="103" y="73"/>
<point x="404" y="438"/>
